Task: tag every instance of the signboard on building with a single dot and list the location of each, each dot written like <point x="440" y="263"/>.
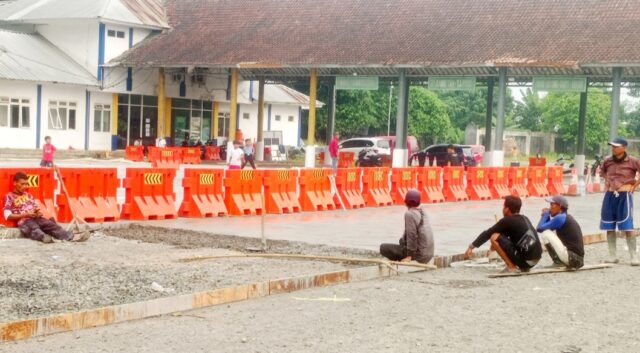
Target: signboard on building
<point x="362" y="83"/>
<point x="452" y="83"/>
<point x="560" y="83"/>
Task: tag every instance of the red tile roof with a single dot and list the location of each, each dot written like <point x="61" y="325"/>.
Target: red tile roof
<point x="381" y="33"/>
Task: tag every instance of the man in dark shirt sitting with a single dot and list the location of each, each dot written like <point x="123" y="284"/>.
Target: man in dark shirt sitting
<point x="453" y="159"/>
<point x="561" y="234"/>
<point x="514" y="238"/>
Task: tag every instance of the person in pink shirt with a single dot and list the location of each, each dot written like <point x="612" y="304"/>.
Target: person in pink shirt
<point x="21" y="207"/>
<point x="48" y="150"/>
<point x="333" y="151"/>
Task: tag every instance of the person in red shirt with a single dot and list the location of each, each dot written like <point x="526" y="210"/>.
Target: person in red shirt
<point x="333" y="151"/>
<point x="20" y="206"/>
<point x="48" y="150"/>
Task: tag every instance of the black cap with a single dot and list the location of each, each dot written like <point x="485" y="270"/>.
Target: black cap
<point x="618" y="141"/>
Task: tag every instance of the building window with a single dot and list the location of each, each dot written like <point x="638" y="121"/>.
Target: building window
<point x="192" y="121"/>
<point x="278" y="118"/>
<point x="14" y="112"/>
<point x="102" y="118"/>
<point x="137" y="119"/>
<point x="62" y="115"/>
<point x="291" y="118"/>
<point x="246" y="116"/>
<point x="223" y="123"/>
<point x="114" y="33"/>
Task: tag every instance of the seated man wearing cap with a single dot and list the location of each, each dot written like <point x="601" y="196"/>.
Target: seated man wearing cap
<point x="619" y="171"/>
<point x="561" y="234"/>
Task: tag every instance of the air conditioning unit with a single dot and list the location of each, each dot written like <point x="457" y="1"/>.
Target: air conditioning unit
<point x="177" y="77"/>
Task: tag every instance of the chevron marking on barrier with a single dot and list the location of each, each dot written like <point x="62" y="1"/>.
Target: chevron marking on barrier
<point x="206" y="179"/>
<point x="351" y="177"/>
<point x="519" y="173"/>
<point x="480" y="174"/>
<point x="318" y="174"/>
<point x="377" y="176"/>
<point x="167" y="153"/>
<point x="406" y="175"/>
<point x="500" y="173"/>
<point x="431" y="175"/>
<point x="34" y="180"/>
<point x="246" y="175"/>
<point x="153" y="178"/>
<point x="283" y="175"/>
<point x="538" y="173"/>
<point x="456" y="174"/>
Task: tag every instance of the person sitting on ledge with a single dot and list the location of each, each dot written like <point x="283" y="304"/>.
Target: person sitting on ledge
<point x="514" y="238"/>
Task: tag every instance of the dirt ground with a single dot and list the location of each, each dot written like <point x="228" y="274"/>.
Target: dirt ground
<point x="457" y="309"/>
<point x="122" y="266"/>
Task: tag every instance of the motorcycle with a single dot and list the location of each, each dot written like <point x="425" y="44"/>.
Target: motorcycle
<point x="369" y="157"/>
<point x="561" y="162"/>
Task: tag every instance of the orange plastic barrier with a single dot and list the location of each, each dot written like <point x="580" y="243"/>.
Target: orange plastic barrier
<point x="555" y="181"/>
<point x="168" y="157"/>
<point x="536" y="183"/>
<point x="537" y="162"/>
<point x="42" y="185"/>
<point x="402" y="180"/>
<point x="149" y="194"/>
<point x="346" y="159"/>
<point x="202" y="193"/>
<point x="280" y="191"/>
<point x="348" y="185"/>
<point x="430" y="184"/>
<point x="453" y="184"/>
<point x="375" y="187"/>
<point x="478" y="183"/>
<point x="499" y="182"/>
<point x="243" y="192"/>
<point x="191" y="155"/>
<point x="315" y="190"/>
<point x="517" y="181"/>
<point x="212" y="153"/>
<point x="92" y="194"/>
<point x="134" y="153"/>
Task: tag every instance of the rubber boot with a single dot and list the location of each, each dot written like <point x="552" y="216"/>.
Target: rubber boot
<point x="611" y="240"/>
<point x="631" y="243"/>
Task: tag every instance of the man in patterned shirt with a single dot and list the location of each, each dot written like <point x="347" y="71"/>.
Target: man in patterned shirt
<point x="20" y="206"/>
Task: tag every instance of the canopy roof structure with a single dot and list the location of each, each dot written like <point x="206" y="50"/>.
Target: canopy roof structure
<point x="286" y="38"/>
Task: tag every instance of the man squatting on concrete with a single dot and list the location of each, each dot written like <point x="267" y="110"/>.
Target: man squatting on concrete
<point x="561" y="234"/>
<point x="20" y="206"/>
<point x="514" y="238"/>
<point x="417" y="241"/>
<point x="619" y="171"/>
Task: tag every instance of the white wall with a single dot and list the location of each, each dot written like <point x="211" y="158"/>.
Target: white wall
<point x="289" y="128"/>
<point x="20" y="137"/>
<point x="79" y="41"/>
<point x="115" y="46"/>
<point x="99" y="140"/>
<point x="63" y="139"/>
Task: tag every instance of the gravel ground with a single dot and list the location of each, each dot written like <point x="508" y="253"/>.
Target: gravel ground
<point x="451" y="310"/>
<point x="43" y="279"/>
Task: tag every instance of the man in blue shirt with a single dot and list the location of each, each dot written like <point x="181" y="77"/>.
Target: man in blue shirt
<point x="561" y="234"/>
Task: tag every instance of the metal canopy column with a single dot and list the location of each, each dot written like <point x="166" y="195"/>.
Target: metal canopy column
<point x="497" y="155"/>
<point x="260" y="143"/>
<point x="400" y="157"/>
<point x="489" y="117"/>
<point x="331" y="117"/>
<point x="582" y="122"/>
<point x="615" y="102"/>
<point x="310" y="149"/>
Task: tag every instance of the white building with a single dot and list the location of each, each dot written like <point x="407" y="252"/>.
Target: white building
<point x="55" y="80"/>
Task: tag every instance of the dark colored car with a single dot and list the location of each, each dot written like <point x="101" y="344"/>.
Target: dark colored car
<point x="436" y="155"/>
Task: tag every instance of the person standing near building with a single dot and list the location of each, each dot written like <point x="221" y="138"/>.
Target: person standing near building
<point x="48" y="151"/>
<point x="417" y="240"/>
<point x="619" y="171"/>
<point x="248" y="154"/>
<point x="334" y="148"/>
<point x="236" y="159"/>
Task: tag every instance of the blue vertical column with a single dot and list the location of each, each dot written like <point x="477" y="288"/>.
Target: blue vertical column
<point x="101" y="50"/>
<point x="38" y="114"/>
<point x="130" y="70"/>
<point x="298" y="141"/>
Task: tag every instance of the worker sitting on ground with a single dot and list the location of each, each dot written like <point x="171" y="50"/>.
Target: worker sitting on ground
<point x="561" y="234"/>
<point x="514" y="238"/>
<point x="417" y="241"/>
<point x="20" y="206"/>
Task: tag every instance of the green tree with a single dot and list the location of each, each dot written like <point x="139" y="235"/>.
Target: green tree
<point x="528" y="112"/>
<point x="428" y="117"/>
<point x="560" y="115"/>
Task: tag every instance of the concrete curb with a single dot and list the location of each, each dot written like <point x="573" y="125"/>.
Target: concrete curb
<point x="24" y="329"/>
